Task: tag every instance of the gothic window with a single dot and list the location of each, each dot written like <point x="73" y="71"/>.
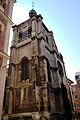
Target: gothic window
<point x="24" y="69"/>
<point x="60" y="69"/>
<point x="48" y="71"/>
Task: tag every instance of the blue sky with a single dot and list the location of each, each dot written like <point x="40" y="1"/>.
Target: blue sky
<point x="63" y="18"/>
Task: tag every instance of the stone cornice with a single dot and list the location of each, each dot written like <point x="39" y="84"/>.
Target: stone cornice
<point x="2" y="54"/>
<point x="5" y="17"/>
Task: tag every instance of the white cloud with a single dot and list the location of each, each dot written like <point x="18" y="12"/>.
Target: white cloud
<point x="20" y="14"/>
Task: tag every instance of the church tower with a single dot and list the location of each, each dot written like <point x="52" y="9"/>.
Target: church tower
<point x="36" y="87"/>
<point x="6" y="7"/>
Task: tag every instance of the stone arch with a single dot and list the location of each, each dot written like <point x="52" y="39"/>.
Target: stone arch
<point x="66" y="102"/>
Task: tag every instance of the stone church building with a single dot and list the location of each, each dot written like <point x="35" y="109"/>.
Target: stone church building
<point x="36" y="86"/>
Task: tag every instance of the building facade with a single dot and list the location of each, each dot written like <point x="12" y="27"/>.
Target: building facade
<point x="76" y="95"/>
<point x="6" y="7"/>
<point x="36" y="87"/>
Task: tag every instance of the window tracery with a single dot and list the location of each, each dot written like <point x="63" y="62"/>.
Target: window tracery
<point x="25" y="34"/>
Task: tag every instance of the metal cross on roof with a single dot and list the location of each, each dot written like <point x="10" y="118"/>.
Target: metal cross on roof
<point x="32" y="5"/>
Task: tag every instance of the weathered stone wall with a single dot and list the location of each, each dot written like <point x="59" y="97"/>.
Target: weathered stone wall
<point x="40" y="94"/>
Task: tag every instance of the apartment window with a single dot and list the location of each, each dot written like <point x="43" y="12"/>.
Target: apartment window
<point x="25" y="69"/>
<point x="77" y="77"/>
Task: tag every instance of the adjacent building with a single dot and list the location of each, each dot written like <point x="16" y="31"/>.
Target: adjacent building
<point x="70" y="83"/>
<point x="6" y="7"/>
<point x="76" y="95"/>
<point x="36" y="86"/>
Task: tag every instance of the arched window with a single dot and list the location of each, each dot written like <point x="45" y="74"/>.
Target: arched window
<point x="48" y="71"/>
<point x="24" y="69"/>
<point x="60" y="69"/>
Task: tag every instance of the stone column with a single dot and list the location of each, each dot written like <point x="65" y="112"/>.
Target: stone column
<point x="12" y="75"/>
<point x="14" y="35"/>
<point x="56" y="74"/>
<point x="34" y="26"/>
<point x="10" y="8"/>
<point x="45" y="71"/>
<point x="2" y="83"/>
<point x="6" y="40"/>
<point x="40" y="26"/>
<point x="10" y="102"/>
<point x="11" y="88"/>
